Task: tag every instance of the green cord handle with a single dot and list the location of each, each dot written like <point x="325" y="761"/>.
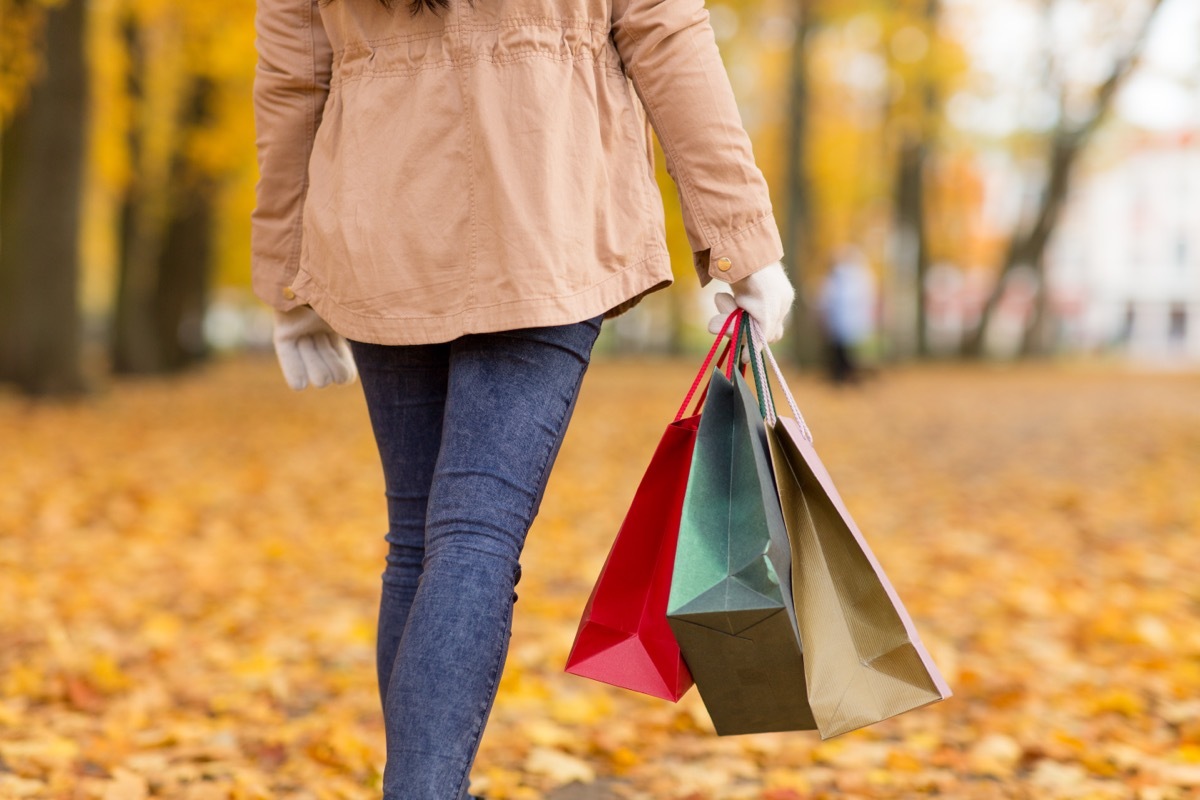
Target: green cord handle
<point x="761" y="385"/>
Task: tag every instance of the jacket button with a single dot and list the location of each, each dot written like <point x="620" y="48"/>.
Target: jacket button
<point x="724" y="264"/>
<point x="288" y="294"/>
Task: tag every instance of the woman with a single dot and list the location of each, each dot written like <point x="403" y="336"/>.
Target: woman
<point x="450" y="202"/>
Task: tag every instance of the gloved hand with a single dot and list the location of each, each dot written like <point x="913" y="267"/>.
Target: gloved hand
<point x="766" y="295"/>
<point x="309" y="351"/>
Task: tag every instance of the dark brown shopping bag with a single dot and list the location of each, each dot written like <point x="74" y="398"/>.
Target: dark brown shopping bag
<point x="623" y="637"/>
<point x="863" y="659"/>
<point x="731" y="616"/>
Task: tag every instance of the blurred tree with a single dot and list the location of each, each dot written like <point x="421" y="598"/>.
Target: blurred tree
<point x="798" y="227"/>
<point x="876" y="73"/>
<point x="21" y="31"/>
<point x="1066" y="143"/>
<point x="662" y="319"/>
<point x="41" y="174"/>
<point x="916" y="133"/>
<point x="682" y="262"/>
<point x="184" y="264"/>
<point x="166" y="218"/>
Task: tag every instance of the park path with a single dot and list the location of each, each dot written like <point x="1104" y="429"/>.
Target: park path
<point x="189" y="572"/>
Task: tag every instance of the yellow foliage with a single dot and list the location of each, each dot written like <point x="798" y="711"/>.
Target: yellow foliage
<point x="22" y="60"/>
<point x="1122" y="701"/>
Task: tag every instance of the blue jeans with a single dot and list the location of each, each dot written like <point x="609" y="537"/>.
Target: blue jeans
<point x="467" y="432"/>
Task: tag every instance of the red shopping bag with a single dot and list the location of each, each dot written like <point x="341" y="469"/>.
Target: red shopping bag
<point x="623" y="637"/>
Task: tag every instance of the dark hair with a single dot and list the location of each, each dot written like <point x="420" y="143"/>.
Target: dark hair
<point x="414" y="7"/>
<point x="417" y="6"/>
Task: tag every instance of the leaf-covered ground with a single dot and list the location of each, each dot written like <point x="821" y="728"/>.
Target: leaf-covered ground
<point x="189" y="576"/>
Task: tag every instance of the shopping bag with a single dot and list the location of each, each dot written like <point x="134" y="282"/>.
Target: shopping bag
<point x="623" y="637"/>
<point x="863" y="658"/>
<point x="730" y="614"/>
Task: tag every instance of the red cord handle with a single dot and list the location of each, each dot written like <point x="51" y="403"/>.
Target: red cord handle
<point x="735" y="315"/>
<point x="741" y="331"/>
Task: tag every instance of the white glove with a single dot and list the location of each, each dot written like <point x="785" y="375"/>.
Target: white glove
<point x="766" y="295"/>
<point x="309" y="351"/>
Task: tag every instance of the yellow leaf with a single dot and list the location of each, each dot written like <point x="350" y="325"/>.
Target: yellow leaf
<point x="623" y="758"/>
<point x="126" y="785"/>
<point x="1121" y="701"/>
<point x="559" y="767"/>
<point x="904" y="762"/>
<point x="106" y="675"/>
<point x="582" y="709"/>
<point x="16" y="787"/>
<point x="1188" y="754"/>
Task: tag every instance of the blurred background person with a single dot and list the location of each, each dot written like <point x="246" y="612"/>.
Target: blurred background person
<point x="847" y="307"/>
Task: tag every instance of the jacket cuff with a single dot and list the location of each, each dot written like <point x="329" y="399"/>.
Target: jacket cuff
<point x="278" y="295"/>
<point x="741" y="253"/>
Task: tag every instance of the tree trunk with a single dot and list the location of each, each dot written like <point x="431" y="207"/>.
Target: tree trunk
<point x="183" y="268"/>
<point x="1028" y="244"/>
<point x="798" y="228"/>
<point x="181" y="293"/>
<point x="909" y="336"/>
<point x="678" y="314"/>
<point x="918" y="142"/>
<point x="1038" y="338"/>
<point x="930" y="107"/>
<point x="135" y="347"/>
<point x="166" y="235"/>
<point x="41" y="180"/>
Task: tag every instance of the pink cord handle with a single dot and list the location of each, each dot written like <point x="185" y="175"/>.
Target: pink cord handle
<point x="738" y="342"/>
<point x="760" y="346"/>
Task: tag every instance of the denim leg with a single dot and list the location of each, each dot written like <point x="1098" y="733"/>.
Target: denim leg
<point x="510" y="398"/>
<point x="405" y="390"/>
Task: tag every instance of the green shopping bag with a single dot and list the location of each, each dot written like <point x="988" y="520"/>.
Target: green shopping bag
<point x="730" y="606"/>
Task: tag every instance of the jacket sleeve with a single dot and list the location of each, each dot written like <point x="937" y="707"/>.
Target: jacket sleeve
<point x="670" y="53"/>
<point x="291" y="82"/>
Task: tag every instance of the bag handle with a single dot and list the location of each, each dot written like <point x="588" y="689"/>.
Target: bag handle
<point x="766" y="399"/>
<point x="762" y="387"/>
<point x="736" y="314"/>
<point x="740" y="337"/>
<point x="759" y="346"/>
<point x="727" y="369"/>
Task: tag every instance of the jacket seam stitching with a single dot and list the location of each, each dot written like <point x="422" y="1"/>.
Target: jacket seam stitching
<point x="292" y="266"/>
<point x="512" y="22"/>
<point x="367" y="45"/>
<point x="472" y="254"/>
<point x="651" y="195"/>
<point x="737" y="234"/>
<point x="608" y="65"/>
<point x="518" y="22"/>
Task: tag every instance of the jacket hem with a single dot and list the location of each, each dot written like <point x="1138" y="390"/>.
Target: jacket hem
<point x="612" y="296"/>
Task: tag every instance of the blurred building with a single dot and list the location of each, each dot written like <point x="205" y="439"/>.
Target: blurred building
<point x="1124" y="265"/>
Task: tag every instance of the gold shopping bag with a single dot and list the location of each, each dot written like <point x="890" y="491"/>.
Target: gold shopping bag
<point x="863" y="658"/>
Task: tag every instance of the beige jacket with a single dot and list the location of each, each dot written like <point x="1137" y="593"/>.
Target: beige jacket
<point x="491" y="168"/>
